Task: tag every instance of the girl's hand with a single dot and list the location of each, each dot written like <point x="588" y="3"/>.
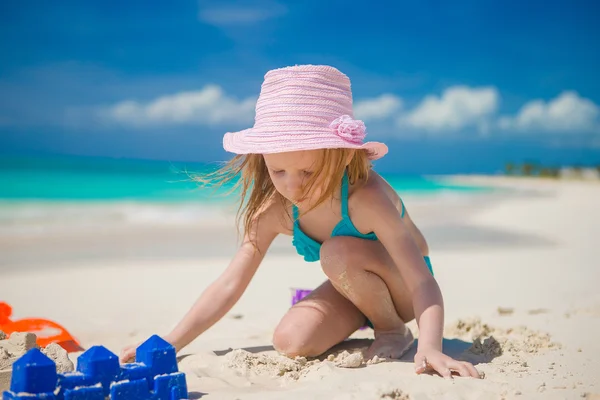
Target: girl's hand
<point x="429" y="358"/>
<point x="128" y="353"/>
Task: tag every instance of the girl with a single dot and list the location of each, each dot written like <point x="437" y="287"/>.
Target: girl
<point x="306" y="172"/>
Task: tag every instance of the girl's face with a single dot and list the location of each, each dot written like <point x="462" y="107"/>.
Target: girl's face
<point x="290" y="171"/>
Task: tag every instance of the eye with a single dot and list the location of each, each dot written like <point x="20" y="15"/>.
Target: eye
<point x="277" y="172"/>
<point x="307" y="173"/>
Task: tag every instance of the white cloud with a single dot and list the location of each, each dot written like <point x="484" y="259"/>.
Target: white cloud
<point x="568" y="112"/>
<point x="209" y="106"/>
<point x="234" y="15"/>
<point x="380" y="107"/>
<point x="457" y="108"/>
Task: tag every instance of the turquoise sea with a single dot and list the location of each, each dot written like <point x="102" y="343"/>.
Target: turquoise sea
<point x="52" y="179"/>
<point x="37" y="191"/>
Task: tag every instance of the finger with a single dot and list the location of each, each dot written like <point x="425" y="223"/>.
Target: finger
<point x="445" y="372"/>
<point x="420" y="364"/>
<point x="441" y="368"/>
<point x="460" y="368"/>
<point x="127" y="355"/>
<point x="472" y="370"/>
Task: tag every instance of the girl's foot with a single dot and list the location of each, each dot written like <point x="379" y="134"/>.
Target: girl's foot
<point x="390" y="344"/>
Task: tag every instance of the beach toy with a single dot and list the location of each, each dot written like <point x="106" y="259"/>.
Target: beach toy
<point x="46" y="331"/>
<point x="299" y="294"/>
<point x="154" y="376"/>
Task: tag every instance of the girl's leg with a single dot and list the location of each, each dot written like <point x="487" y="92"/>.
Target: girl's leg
<point x="364" y="273"/>
<point x="318" y="322"/>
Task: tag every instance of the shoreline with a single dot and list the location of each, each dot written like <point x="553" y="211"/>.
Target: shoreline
<point x="75" y="242"/>
<point x="513" y="181"/>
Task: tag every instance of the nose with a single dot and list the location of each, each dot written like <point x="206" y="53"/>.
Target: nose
<point x="293" y="185"/>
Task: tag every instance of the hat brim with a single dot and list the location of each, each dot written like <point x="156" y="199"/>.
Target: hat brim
<point x="253" y="141"/>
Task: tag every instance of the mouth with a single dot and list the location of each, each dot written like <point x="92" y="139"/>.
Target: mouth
<point x="299" y="200"/>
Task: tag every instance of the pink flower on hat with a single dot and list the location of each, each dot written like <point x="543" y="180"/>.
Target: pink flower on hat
<point x="351" y="130"/>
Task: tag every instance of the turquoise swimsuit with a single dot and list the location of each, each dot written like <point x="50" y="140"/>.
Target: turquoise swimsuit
<point x="310" y="249"/>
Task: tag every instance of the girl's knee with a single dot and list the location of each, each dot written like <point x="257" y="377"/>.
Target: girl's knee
<point x="341" y="254"/>
<point x="336" y="252"/>
<point x="289" y="340"/>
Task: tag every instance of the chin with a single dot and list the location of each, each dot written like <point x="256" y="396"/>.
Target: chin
<point x="301" y="200"/>
<point x="306" y="202"/>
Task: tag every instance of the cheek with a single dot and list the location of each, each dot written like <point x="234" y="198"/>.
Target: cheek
<point x="315" y="193"/>
<point x="280" y="188"/>
<point x="278" y="183"/>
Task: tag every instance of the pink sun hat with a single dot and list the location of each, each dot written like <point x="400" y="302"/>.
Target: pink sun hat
<point x="304" y="107"/>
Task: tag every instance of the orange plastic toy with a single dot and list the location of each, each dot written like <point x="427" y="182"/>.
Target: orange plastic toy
<point x="46" y="331"/>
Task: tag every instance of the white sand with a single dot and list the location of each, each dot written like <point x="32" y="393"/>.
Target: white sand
<point x="539" y="300"/>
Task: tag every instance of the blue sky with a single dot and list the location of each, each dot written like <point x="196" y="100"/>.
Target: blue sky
<point x="450" y="86"/>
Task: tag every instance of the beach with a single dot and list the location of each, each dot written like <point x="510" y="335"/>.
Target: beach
<point x="517" y="267"/>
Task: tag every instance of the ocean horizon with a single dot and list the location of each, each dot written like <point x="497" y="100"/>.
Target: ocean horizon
<point x="39" y="193"/>
<point x="74" y="178"/>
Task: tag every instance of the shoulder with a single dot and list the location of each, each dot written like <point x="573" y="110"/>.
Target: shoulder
<point x="376" y="191"/>
<point x="373" y="200"/>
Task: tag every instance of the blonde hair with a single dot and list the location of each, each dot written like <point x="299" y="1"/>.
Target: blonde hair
<point x="257" y="190"/>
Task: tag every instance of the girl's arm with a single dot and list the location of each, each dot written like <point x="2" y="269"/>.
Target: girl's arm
<point x="428" y="304"/>
<point x="226" y="290"/>
<point x="426" y="296"/>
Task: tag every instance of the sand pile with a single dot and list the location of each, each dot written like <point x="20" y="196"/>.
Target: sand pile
<point x="396" y="394"/>
<point x="488" y="343"/>
<point x="275" y="365"/>
<point x="20" y="343"/>
<point x="491" y="342"/>
<point x="272" y="365"/>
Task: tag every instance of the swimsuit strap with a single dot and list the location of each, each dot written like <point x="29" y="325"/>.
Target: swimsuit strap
<point x="345" y="196"/>
<point x="344" y="200"/>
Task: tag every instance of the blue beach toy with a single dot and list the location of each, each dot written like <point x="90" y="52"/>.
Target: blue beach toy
<point x="154" y="376"/>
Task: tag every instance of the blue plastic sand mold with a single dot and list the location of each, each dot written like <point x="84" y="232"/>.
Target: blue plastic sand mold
<point x="154" y="376"/>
